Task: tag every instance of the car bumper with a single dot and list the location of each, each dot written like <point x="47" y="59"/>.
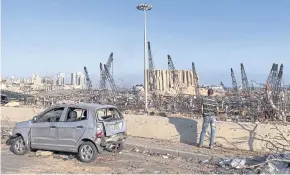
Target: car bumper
<point x="115" y="139"/>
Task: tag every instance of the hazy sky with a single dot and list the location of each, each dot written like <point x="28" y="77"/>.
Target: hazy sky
<point x="51" y="36"/>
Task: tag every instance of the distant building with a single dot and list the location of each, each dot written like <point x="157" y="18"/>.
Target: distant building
<point x="60" y="79"/>
<point x="47" y="80"/>
<point x="217" y="87"/>
<point x="36" y="79"/>
<point x="11" y="79"/>
<point x="23" y="80"/>
<point x="166" y="83"/>
<point x="73" y="79"/>
<point x="80" y="79"/>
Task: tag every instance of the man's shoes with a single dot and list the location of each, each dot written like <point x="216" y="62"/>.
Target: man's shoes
<point x="211" y="147"/>
<point x="200" y="145"/>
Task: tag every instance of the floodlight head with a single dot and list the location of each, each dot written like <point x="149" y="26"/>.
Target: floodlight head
<point x="144" y="7"/>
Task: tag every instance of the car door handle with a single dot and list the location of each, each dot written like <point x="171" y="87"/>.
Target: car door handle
<point x="81" y="126"/>
<point x="52" y="126"/>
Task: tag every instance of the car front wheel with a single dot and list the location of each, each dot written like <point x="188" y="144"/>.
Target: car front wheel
<point x="87" y="152"/>
<point x="18" y="146"/>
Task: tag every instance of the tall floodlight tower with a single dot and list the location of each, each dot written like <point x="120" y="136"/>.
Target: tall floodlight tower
<point x="145" y="7"/>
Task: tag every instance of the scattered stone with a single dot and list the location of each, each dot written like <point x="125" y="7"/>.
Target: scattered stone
<point x="179" y="158"/>
<point x="43" y="153"/>
<point x="203" y="161"/>
<point x="157" y="172"/>
<point x="136" y="150"/>
<point x="58" y="156"/>
<point x="63" y="157"/>
<point x="31" y="154"/>
<point x="190" y="159"/>
<point x="69" y="157"/>
<point x="165" y="157"/>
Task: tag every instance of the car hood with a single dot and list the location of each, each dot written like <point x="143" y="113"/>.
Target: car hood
<point x="24" y="124"/>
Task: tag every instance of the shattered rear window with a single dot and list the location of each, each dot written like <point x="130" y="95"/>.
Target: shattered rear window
<point x="108" y="114"/>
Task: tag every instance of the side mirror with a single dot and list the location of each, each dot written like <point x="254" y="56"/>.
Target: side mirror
<point x="34" y="119"/>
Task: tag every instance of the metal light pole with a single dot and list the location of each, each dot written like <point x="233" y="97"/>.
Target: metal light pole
<point x="145" y="7"/>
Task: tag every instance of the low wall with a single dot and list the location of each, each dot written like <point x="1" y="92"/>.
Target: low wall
<point x="247" y="136"/>
<point x="17" y="114"/>
<point x="164" y="128"/>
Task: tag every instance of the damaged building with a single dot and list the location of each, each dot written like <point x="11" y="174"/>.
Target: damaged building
<point x="165" y="82"/>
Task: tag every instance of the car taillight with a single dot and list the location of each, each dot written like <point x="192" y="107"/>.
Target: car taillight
<point x="99" y="133"/>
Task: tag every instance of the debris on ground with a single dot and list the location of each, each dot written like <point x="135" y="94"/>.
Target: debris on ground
<point x="156" y="154"/>
<point x="43" y="153"/>
<point x="6" y="129"/>
<point x="206" y="161"/>
<point x="237" y="163"/>
<point x="5" y="134"/>
<point x="219" y="150"/>
<point x="135" y="150"/>
<point x="63" y="157"/>
<point x="269" y="164"/>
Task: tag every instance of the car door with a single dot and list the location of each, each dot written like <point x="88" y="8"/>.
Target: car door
<point x="70" y="130"/>
<point x="44" y="129"/>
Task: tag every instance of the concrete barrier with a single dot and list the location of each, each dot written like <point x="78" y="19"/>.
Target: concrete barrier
<point x="17" y="114"/>
<point x="246" y="136"/>
<point x="164" y="128"/>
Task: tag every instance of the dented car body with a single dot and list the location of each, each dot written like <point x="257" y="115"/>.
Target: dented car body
<point x="69" y="127"/>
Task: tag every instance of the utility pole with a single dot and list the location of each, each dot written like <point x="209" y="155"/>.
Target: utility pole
<point x="145" y="7"/>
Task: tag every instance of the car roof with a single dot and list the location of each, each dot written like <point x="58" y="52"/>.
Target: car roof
<point x="85" y="105"/>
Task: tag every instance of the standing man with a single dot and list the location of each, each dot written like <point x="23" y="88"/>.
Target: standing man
<point x="209" y="110"/>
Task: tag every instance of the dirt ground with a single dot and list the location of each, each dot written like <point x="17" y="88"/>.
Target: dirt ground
<point x="125" y="163"/>
<point x="218" y="152"/>
<point x="129" y="162"/>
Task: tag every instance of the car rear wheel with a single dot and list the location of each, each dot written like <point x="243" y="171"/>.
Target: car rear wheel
<point x="87" y="152"/>
<point x="18" y="146"/>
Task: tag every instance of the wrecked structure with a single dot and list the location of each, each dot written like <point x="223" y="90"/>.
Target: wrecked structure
<point x="165" y="83"/>
<point x="170" y="81"/>
<point x="178" y="91"/>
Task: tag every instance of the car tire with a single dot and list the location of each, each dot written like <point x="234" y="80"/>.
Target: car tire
<point x="18" y="146"/>
<point x="87" y="152"/>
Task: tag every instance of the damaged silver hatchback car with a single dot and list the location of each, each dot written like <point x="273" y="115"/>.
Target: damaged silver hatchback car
<point x="86" y="129"/>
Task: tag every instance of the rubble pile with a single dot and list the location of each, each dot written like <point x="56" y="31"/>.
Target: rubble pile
<point x="268" y="164"/>
<point x="252" y="106"/>
<point x="266" y="102"/>
<point x="5" y="132"/>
